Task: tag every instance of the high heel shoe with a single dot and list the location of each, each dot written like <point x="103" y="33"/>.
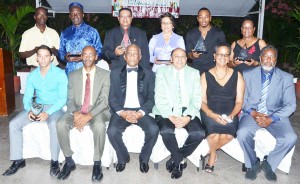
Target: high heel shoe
<point x="209" y="169"/>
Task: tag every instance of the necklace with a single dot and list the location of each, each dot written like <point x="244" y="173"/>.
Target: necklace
<point x="221" y="78"/>
<point x="249" y="41"/>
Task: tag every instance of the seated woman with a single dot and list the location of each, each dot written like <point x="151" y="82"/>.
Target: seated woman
<point x="222" y="100"/>
<point x="161" y="45"/>
<point x="250" y="44"/>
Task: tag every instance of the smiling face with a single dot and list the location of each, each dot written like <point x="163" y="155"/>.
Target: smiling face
<point x="178" y="58"/>
<point x="132" y="55"/>
<point x="89" y="56"/>
<point x="247" y="29"/>
<point x="76" y="15"/>
<point x="204" y="18"/>
<point x="40" y="16"/>
<point x="166" y="25"/>
<point x="125" y="19"/>
<point x="44" y="58"/>
<point x="268" y="59"/>
<point x="222" y="56"/>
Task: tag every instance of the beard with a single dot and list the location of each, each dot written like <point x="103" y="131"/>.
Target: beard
<point x="267" y="68"/>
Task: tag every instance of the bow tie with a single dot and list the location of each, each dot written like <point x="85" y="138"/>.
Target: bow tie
<point x="132" y="69"/>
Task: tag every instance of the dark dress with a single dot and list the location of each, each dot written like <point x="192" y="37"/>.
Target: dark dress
<point x="253" y="53"/>
<point x="221" y="100"/>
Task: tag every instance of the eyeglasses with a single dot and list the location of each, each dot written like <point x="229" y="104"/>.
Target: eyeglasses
<point x="247" y="27"/>
<point x="179" y="57"/>
<point x="222" y="55"/>
<point x="166" y="23"/>
<point x="125" y="17"/>
<point x="88" y="55"/>
<point x="132" y="54"/>
<point x="268" y="56"/>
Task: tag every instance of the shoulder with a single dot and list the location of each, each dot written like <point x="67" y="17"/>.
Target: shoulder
<point x="177" y="36"/>
<point x="135" y="29"/>
<point x="251" y="72"/>
<point x="261" y="43"/>
<point x="66" y="30"/>
<point x="75" y="73"/>
<point x="283" y="74"/>
<point x="216" y="30"/>
<point x="102" y="71"/>
<point x="193" y="31"/>
<point x="90" y="28"/>
<point x="29" y="31"/>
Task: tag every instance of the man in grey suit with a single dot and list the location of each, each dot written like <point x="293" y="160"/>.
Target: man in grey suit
<point x="269" y="101"/>
<point x="87" y="102"/>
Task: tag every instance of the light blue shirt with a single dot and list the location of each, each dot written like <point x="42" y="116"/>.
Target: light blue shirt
<point x="159" y="49"/>
<point x="51" y="89"/>
<point x="74" y="39"/>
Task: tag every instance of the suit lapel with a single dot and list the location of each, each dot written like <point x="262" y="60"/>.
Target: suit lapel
<point x="123" y="81"/>
<point x="95" y="86"/>
<point x="273" y="85"/>
<point x="140" y="82"/>
<point x="78" y="92"/>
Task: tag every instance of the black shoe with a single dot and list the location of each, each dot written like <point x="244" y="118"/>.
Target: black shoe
<point x="170" y="165"/>
<point x="144" y="167"/>
<point x="269" y="174"/>
<point x="177" y="172"/>
<point x="54" y="168"/>
<point x="14" y="168"/>
<point x="97" y="173"/>
<point x="121" y="167"/>
<point x="251" y="173"/>
<point x="66" y="171"/>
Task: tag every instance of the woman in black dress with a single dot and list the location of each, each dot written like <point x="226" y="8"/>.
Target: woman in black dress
<point x="222" y="100"/>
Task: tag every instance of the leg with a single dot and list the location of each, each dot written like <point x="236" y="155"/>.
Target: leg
<point x="63" y="127"/>
<point x="213" y="142"/>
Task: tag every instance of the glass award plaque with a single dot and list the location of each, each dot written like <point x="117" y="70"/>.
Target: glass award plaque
<point x="36" y="106"/>
<point x="163" y="56"/>
<point x="125" y="44"/>
<point x="243" y="56"/>
<point x="200" y="46"/>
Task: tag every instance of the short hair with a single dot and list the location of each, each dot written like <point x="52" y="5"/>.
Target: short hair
<point x="134" y="45"/>
<point x="42" y="8"/>
<point x="204" y="8"/>
<point x="269" y="47"/>
<point x="167" y="14"/>
<point x="223" y="44"/>
<point x="128" y="9"/>
<point x="248" y="18"/>
<point x="44" y="47"/>
<point x="178" y="48"/>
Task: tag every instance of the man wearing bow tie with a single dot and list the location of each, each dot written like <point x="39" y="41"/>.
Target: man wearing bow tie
<point x="131" y="98"/>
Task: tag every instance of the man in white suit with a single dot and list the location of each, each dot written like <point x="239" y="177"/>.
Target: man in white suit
<point x="177" y="105"/>
<point x="269" y="101"/>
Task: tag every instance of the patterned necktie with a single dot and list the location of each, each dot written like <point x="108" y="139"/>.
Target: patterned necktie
<point x="178" y="105"/>
<point x="126" y="38"/>
<point x="87" y="94"/>
<point x="262" y="106"/>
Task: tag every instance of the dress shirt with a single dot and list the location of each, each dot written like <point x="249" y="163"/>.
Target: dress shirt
<point x="74" y="39"/>
<point x="33" y="37"/>
<point x="132" y="99"/>
<point x="184" y="100"/>
<point x="84" y="77"/>
<point x="159" y="49"/>
<point x="51" y="88"/>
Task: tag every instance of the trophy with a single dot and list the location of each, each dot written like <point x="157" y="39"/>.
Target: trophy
<point x="200" y="46"/>
<point x="36" y="106"/>
<point x="163" y="56"/>
<point x="75" y="52"/>
<point x="243" y="56"/>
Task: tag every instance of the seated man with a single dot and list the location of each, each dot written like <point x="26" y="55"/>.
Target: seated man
<point x="131" y="98"/>
<point x="177" y="105"/>
<point x="268" y="103"/>
<point x="49" y="84"/>
<point x="87" y="103"/>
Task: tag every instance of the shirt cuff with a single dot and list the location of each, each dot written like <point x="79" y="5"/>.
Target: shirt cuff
<point x="274" y="118"/>
<point x="118" y="112"/>
<point x="141" y="111"/>
<point x="249" y="111"/>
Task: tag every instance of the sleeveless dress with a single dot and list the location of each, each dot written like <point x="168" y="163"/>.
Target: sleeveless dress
<point x="221" y="100"/>
<point x="253" y="53"/>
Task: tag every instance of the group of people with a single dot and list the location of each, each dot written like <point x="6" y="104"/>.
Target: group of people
<point x="232" y="98"/>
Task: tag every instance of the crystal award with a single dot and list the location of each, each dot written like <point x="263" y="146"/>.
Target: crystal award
<point x="243" y="56"/>
<point x="200" y="46"/>
<point x="36" y="106"/>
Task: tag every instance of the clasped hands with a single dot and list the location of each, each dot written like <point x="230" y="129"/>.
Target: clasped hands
<point x="261" y="119"/>
<point x="80" y="120"/>
<point x="43" y="116"/>
<point x="180" y="122"/>
<point x="131" y="116"/>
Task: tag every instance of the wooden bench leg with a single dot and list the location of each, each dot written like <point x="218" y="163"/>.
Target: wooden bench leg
<point x="202" y="158"/>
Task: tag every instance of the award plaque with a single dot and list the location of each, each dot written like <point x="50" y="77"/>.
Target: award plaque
<point x="124" y="44"/>
<point x="200" y="46"/>
<point x="243" y="56"/>
<point x="36" y="106"/>
<point x="163" y="56"/>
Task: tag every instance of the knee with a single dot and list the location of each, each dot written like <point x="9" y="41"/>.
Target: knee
<point x="289" y="140"/>
<point x="242" y="133"/>
<point x="199" y="134"/>
<point x="98" y="128"/>
<point x="112" y="131"/>
<point x="166" y="131"/>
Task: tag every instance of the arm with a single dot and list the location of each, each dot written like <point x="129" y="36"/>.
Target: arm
<point x="239" y="96"/>
<point x="113" y="97"/>
<point x="71" y="103"/>
<point x="62" y="49"/>
<point x="145" y="51"/>
<point x="108" y="47"/>
<point x="180" y="43"/>
<point x="261" y="43"/>
<point x="152" y="44"/>
<point x="29" y="90"/>
<point x="232" y="60"/>
<point x="97" y="43"/>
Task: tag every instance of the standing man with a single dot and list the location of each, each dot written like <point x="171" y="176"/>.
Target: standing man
<point x="49" y="84"/>
<point x="177" y="105"/>
<point x="211" y="37"/>
<point x="36" y="36"/>
<point x="87" y="103"/>
<point x="131" y="98"/>
<point x="269" y="101"/>
<point x="113" y="48"/>
<point x="76" y="37"/>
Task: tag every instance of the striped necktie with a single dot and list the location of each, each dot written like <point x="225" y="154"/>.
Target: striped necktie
<point x="262" y="106"/>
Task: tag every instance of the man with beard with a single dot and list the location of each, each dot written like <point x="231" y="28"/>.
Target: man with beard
<point x="269" y="101"/>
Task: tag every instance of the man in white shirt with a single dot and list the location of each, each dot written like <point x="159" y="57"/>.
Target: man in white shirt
<point x="131" y="98"/>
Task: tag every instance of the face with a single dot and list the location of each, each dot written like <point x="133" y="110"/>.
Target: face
<point x="89" y="56"/>
<point x="204" y="18"/>
<point x="125" y="18"/>
<point x="44" y="58"/>
<point x="166" y="25"/>
<point x="40" y="16"/>
<point x="222" y="56"/>
<point x="132" y="55"/>
<point x="268" y="59"/>
<point x="179" y="59"/>
<point x="76" y="15"/>
<point x="247" y="29"/>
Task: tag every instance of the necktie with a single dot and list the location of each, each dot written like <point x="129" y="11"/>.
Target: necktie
<point x="86" y="101"/>
<point x="132" y="69"/>
<point x="126" y="38"/>
<point x="262" y="106"/>
<point x="178" y="105"/>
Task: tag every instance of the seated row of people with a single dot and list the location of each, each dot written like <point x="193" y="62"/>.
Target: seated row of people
<point x="176" y="97"/>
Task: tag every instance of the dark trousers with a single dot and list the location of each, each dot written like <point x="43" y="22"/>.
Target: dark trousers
<point x="196" y="134"/>
<point x="117" y="126"/>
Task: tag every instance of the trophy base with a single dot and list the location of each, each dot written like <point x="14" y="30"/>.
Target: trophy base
<point x="74" y="55"/>
<point x="164" y="61"/>
<point x="200" y="51"/>
<point x="243" y="59"/>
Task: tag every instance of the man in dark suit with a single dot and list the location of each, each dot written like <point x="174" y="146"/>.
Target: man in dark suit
<point x="114" y="46"/>
<point x="88" y="90"/>
<point x="131" y="98"/>
<point x="269" y="101"/>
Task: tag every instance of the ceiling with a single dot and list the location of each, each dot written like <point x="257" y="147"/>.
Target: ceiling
<point x="232" y="8"/>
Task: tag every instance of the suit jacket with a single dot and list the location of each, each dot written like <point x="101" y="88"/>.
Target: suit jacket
<point x="100" y="92"/>
<point x="114" y="37"/>
<point x="117" y="93"/>
<point x="281" y="99"/>
<point x="165" y="96"/>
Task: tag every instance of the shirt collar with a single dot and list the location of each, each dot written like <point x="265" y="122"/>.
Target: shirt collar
<point x="39" y="28"/>
<point x="74" y="27"/>
<point x="92" y="72"/>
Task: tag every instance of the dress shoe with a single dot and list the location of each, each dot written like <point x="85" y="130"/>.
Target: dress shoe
<point x="14" y="168"/>
<point x="66" y="171"/>
<point x="170" y="165"/>
<point x="269" y="174"/>
<point x="177" y="172"/>
<point x="144" y="167"/>
<point x="251" y="173"/>
<point x="97" y="173"/>
<point x="54" y="168"/>
<point x="121" y="167"/>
